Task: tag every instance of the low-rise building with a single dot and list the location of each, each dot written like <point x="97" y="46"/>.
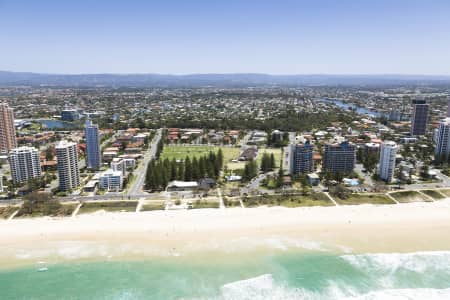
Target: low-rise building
<point x="111" y="180"/>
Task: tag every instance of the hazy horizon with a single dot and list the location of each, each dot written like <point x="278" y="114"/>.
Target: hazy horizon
<point x="215" y="37"/>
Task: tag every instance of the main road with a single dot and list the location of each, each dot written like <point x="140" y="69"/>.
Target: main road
<point x="137" y="184"/>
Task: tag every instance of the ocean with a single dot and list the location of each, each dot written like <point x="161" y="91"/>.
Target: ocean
<point x="277" y="275"/>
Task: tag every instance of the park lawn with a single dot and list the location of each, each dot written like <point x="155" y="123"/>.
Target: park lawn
<point x="153" y="205"/>
<point x="205" y="204"/>
<point x="231" y="202"/>
<point x="318" y="199"/>
<point x="445" y="192"/>
<point x="435" y="194"/>
<point x="180" y="152"/>
<point x="111" y="206"/>
<point x="355" y="199"/>
<point x="7" y="211"/>
<point x="408" y="196"/>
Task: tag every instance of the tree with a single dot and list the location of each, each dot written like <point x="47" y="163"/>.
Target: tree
<point x="195" y="169"/>
<point x="370" y="161"/>
<point x="272" y="161"/>
<point x="187" y="169"/>
<point x="49" y="153"/>
<point x="280" y="177"/>
<point x="173" y="170"/>
<point x="250" y="170"/>
<point x="220" y="158"/>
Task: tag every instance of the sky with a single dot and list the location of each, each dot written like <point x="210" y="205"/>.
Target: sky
<point x="227" y="36"/>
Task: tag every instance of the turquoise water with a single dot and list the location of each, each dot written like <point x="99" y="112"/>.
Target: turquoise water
<point x="287" y="275"/>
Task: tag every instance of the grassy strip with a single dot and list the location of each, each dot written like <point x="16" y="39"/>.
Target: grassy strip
<point x="355" y="199"/>
<point x="231" y="202"/>
<point x="318" y="199"/>
<point x="7" y="211"/>
<point x="205" y="204"/>
<point x="154" y="205"/>
<point x="112" y="206"/>
<point x="408" y="196"/>
<point x="434" y="194"/>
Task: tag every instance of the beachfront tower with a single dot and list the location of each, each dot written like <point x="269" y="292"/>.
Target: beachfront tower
<point x="301" y="156"/>
<point x="24" y="164"/>
<point x="68" y="171"/>
<point x="387" y="161"/>
<point x="442" y="149"/>
<point x="339" y="157"/>
<point x="419" y="117"/>
<point x="93" y="153"/>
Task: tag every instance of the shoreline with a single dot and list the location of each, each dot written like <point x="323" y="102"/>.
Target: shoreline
<point x="410" y="227"/>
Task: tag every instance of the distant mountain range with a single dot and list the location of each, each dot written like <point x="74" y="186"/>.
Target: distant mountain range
<point x="216" y="80"/>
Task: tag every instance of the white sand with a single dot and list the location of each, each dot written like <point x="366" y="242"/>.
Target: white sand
<point x="363" y="228"/>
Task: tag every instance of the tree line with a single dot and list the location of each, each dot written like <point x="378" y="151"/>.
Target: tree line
<point x="160" y="172"/>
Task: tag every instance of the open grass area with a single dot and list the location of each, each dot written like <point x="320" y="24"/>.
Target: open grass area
<point x="205" y="204"/>
<point x="231" y="202"/>
<point x="318" y="199"/>
<point x="435" y="194"/>
<point x="153" y="205"/>
<point x="7" y="211"/>
<point x="355" y="199"/>
<point x="408" y="196"/>
<point x="111" y="206"/>
<point x="180" y="151"/>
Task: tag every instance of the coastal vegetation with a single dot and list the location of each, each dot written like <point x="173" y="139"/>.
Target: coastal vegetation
<point x="111" y="206"/>
<point x="43" y="204"/>
<point x="315" y="199"/>
<point x="355" y="199"/>
<point x="7" y="211"/>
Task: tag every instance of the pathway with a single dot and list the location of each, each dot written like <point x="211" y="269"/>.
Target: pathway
<point x="331" y="198"/>
<point x="219" y="194"/>
<point x="426" y="196"/>
<point x="77" y="209"/>
<point x="392" y="198"/>
<point x="140" y="204"/>
<point x="13" y="215"/>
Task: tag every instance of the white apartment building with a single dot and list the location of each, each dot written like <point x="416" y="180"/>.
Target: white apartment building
<point x="68" y="169"/>
<point x="24" y="163"/>
<point x="387" y="160"/>
<point x="111" y="180"/>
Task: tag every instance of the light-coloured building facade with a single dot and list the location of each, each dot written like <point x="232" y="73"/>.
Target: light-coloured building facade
<point x="386" y="166"/>
<point x="24" y="164"/>
<point x="68" y="169"/>
<point x="111" y="180"/>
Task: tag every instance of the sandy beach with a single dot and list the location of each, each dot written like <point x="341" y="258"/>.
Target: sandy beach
<point x="346" y="229"/>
